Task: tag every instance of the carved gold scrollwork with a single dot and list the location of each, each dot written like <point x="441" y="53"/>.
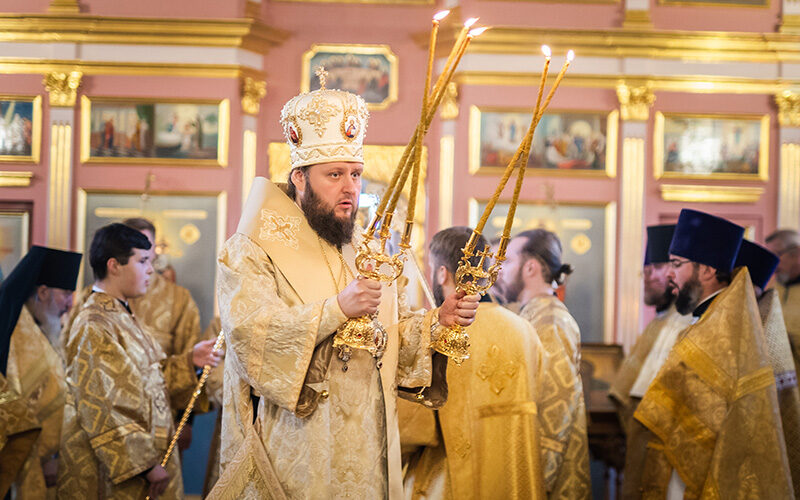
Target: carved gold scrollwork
<point x="635" y="102"/>
<point x="449" y="104"/>
<point x="63" y="87"/>
<point x="788" y="108"/>
<point x="252" y="92"/>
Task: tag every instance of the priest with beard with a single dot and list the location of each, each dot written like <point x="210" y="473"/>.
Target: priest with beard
<point x="761" y="263"/>
<point x="648" y="353"/>
<point x="712" y="409"/>
<point x="32" y="300"/>
<point x="303" y="419"/>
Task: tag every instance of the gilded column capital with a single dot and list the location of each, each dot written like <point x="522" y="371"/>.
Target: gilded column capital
<point x="63" y="87"/>
<point x="450" y="102"/>
<point x="788" y="108"/>
<point x="252" y="92"/>
<point x="635" y="101"/>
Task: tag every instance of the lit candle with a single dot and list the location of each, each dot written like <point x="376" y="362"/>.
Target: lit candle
<point x="570" y="57"/>
<point x="462" y="35"/>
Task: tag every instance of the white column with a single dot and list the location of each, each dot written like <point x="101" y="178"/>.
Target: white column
<point x="249" y="148"/>
<point x="447" y="151"/>
<point x="789" y="179"/>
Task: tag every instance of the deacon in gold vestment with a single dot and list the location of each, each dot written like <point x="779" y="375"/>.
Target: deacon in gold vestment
<point x="786" y="245"/>
<point x="323" y="427"/>
<point x="118" y="419"/>
<point x="40" y="288"/>
<point x="533" y="267"/>
<point x="489" y="426"/>
<point x="712" y="409"/>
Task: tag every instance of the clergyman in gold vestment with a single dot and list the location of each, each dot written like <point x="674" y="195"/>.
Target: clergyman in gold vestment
<point x="648" y="354"/>
<point x="19" y="429"/>
<point x="118" y="419"/>
<point x="298" y="420"/>
<point x="33" y="298"/>
<point x="489" y="426"/>
<point x="532" y="268"/>
<point x="713" y="409"/>
<point x="761" y="264"/>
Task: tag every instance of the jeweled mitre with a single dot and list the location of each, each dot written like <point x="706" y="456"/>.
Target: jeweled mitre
<point x="325" y="126"/>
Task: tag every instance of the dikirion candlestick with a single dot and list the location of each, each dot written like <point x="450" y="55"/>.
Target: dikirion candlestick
<point x="477" y="278"/>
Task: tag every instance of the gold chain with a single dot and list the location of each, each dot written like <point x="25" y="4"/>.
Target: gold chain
<point x="345" y="268"/>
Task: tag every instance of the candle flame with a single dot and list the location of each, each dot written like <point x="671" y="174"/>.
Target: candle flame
<point x="570" y="55"/>
<point x="546" y="51"/>
<point x="470" y="22"/>
<point x="441" y="15"/>
<point x="477" y="31"/>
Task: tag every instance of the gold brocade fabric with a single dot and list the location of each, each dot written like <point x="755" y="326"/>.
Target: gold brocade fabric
<point x="779" y="354"/>
<point x="117" y="420"/>
<point x="35" y="371"/>
<point x="713" y="409"/>
<point x="562" y="412"/>
<point x="19" y="430"/>
<point x="214" y="390"/>
<point x="489" y="424"/>
<point x="169" y="314"/>
<point x="790" y="302"/>
<point x="276" y="300"/>
<point x="620" y="389"/>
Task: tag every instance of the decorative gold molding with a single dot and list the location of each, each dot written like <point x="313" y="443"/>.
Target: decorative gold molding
<point x="790" y="23"/>
<point x="631" y="248"/>
<point x="701" y="3"/>
<point x="246" y="33"/>
<point x="32" y="66"/>
<point x="694" y="193"/>
<point x="686" y="83"/>
<point x="252" y="92"/>
<point x="365" y="2"/>
<point x="763" y="152"/>
<point x="63" y="87"/>
<point x="64" y="7"/>
<point x="709" y="46"/>
<point x="635" y="102"/>
<point x="59" y="185"/>
<point x="637" y="19"/>
<point x="9" y="178"/>
<point x="789" y="187"/>
<point x="252" y="9"/>
<point x="450" y="102"/>
<point x="788" y="108"/>
<point x="36" y="130"/>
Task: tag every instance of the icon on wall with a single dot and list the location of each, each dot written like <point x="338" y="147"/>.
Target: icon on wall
<point x="164" y="132"/>
<point x="367" y="70"/>
<point x="20" y="128"/>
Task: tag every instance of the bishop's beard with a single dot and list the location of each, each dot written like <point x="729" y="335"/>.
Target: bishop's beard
<point x="323" y="220"/>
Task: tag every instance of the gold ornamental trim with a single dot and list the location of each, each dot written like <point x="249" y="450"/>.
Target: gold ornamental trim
<point x="788" y="108"/>
<point x="246" y="33"/>
<point x="687" y="83"/>
<point x="710" y="194"/>
<point x="62" y="87"/>
<point x="28" y="66"/>
<point x="635" y="101"/>
<point x="10" y="178"/>
<point x="253" y="91"/>
<point x="710" y="46"/>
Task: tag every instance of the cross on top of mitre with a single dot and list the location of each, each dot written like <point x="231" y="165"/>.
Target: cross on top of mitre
<point x="322" y="74"/>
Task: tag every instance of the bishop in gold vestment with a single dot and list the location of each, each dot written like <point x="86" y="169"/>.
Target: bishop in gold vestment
<point x="786" y="244"/>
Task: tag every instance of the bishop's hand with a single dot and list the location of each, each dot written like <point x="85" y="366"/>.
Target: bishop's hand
<point x="360" y="297"/>
<point x="458" y="309"/>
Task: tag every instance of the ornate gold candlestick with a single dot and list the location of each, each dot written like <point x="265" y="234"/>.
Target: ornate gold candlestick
<point x="453" y="341"/>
